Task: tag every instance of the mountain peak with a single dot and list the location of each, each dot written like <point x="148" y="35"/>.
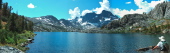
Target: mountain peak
<point x="162" y="10"/>
<point x="49" y="16"/>
<point x="106" y="13"/>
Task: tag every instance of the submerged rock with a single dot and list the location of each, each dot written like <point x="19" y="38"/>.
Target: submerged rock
<point x="146" y="48"/>
<point x="8" y="49"/>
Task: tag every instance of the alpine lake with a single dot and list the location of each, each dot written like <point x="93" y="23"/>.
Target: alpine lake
<point x="76" y="42"/>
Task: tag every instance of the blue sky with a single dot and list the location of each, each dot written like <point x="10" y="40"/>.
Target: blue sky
<point x="69" y="9"/>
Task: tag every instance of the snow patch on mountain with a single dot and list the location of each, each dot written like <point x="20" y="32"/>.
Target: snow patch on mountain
<point x="87" y="25"/>
<point x="50" y="23"/>
<point x="79" y="20"/>
<point x="100" y="20"/>
<point x="44" y="19"/>
<point x="38" y="18"/>
<point x="62" y="24"/>
<point x="107" y="19"/>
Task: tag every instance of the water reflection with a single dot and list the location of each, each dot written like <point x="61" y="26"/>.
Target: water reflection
<point x="74" y="42"/>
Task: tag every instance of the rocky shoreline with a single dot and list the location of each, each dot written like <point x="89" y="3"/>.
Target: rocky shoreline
<point x="29" y="40"/>
<point x="8" y="49"/>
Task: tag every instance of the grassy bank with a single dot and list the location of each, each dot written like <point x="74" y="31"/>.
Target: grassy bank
<point x="14" y="39"/>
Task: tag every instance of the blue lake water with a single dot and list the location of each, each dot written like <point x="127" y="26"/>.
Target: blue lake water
<point x="75" y="42"/>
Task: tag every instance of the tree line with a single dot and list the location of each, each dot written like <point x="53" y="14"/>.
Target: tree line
<point x="11" y="23"/>
<point x="14" y="22"/>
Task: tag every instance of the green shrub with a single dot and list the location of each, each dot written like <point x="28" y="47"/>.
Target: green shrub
<point x="7" y="37"/>
<point x="4" y="19"/>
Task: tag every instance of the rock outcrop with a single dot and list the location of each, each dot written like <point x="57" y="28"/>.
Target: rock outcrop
<point x="162" y="10"/>
<point x="146" y="48"/>
<point x="7" y="49"/>
<point x="131" y="19"/>
<point x="128" y="20"/>
<point x="159" y="16"/>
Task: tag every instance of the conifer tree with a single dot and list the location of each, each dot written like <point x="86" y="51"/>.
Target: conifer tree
<point x="12" y="26"/>
<point x="0" y="13"/>
<point x="23" y="23"/>
<point x="0" y="24"/>
<point x="9" y="11"/>
<point x="0" y="4"/>
<point x="25" y="26"/>
<point x="4" y="10"/>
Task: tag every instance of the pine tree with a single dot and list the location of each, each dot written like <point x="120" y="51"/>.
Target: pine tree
<point x="0" y="14"/>
<point x="4" y="10"/>
<point x="0" y="25"/>
<point x="9" y="11"/>
<point x="23" y="23"/>
<point x="15" y="38"/>
<point x="12" y="26"/>
<point x="31" y="26"/>
<point x="25" y="26"/>
<point x="0" y="4"/>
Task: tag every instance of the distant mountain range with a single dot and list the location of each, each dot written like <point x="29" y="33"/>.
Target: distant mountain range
<point x="50" y="23"/>
<point x="156" y="21"/>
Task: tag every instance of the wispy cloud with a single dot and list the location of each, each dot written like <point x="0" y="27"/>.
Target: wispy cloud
<point x="31" y="5"/>
<point x="128" y="2"/>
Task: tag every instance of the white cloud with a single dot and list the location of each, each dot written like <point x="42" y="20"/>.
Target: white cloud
<point x="74" y="13"/>
<point x="105" y="5"/>
<point x="85" y="11"/>
<point x="128" y="2"/>
<point x="31" y="5"/>
<point x="143" y="6"/>
<point x="123" y="12"/>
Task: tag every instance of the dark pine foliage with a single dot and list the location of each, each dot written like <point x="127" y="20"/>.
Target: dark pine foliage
<point x="12" y="24"/>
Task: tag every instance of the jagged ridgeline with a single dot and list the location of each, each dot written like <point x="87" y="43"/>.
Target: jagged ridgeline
<point x="156" y="21"/>
<point x="12" y="25"/>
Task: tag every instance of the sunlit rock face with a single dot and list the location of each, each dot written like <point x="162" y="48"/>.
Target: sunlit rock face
<point x="161" y="10"/>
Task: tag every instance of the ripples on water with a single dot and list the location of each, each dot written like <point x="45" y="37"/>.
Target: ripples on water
<point x="75" y="42"/>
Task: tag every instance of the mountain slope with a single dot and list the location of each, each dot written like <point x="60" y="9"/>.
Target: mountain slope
<point x="128" y="20"/>
<point x="93" y="20"/>
<point x="46" y="23"/>
<point x="161" y="10"/>
<point x="88" y="21"/>
<point x="156" y="21"/>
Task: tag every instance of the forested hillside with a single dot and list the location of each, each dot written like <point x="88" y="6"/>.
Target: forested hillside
<point x="14" y="28"/>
